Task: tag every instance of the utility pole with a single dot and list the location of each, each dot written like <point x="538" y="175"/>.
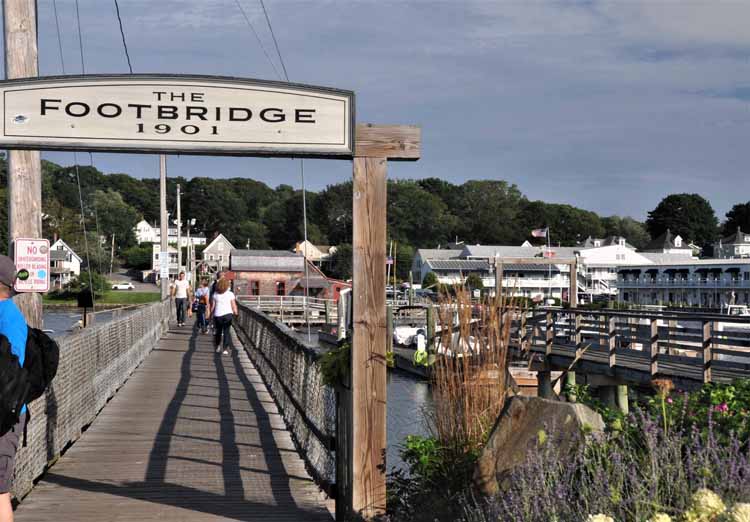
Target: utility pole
<point x="179" y="232"/>
<point x="24" y="167"/>
<point x="112" y="256"/>
<point x="164" y="226"/>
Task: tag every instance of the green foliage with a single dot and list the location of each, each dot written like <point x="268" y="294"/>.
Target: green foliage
<point x="689" y="215"/>
<point x="474" y="281"/>
<point x="430" y="280"/>
<point x="335" y="365"/>
<point x="634" y="231"/>
<point x="139" y="256"/>
<point x="340" y="263"/>
<point x="738" y="216"/>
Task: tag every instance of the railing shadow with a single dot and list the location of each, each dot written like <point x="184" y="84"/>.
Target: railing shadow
<point x="273" y="498"/>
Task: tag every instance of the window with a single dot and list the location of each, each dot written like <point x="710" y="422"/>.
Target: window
<point x="254" y="287"/>
<point x="746" y="276"/>
<point x="280" y="288"/>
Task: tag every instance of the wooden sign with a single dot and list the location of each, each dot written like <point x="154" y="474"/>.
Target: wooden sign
<point x="177" y="114"/>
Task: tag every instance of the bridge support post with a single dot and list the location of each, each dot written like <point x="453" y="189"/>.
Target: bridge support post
<point x="607" y="394"/>
<point x="544" y="384"/>
<point x="622" y="398"/>
<point x="369" y="340"/>
<point x="570" y="382"/>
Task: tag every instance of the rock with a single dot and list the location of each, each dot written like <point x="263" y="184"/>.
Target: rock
<point x="518" y="428"/>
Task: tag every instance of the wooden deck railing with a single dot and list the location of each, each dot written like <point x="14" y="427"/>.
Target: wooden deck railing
<point x="94" y="364"/>
<point x="709" y="341"/>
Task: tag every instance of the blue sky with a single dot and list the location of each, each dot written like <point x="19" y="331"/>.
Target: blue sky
<point x="609" y="106"/>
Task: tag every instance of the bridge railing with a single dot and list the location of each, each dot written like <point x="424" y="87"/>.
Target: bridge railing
<point x="717" y="341"/>
<point x="292" y="374"/>
<point x="288" y="307"/>
<point x="94" y="363"/>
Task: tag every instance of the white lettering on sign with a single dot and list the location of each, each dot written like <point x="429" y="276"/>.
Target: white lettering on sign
<point x="32" y="260"/>
<point x="203" y="115"/>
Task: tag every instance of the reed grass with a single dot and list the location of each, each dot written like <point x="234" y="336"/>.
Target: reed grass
<point x="470" y="375"/>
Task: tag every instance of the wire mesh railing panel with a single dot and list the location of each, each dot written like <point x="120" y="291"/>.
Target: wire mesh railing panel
<point x="94" y="363"/>
<point x="292" y="374"/>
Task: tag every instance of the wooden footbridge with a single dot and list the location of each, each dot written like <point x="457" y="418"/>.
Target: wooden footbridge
<point x="146" y="422"/>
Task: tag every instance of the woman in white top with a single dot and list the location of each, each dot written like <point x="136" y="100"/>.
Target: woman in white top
<point x="223" y="308"/>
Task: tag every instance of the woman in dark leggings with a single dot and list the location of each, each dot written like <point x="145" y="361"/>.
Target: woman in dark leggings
<point x="222" y="309"/>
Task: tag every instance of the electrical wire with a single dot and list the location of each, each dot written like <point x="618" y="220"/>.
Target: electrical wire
<point x="59" y="36"/>
<point x="75" y="162"/>
<point x="80" y="47"/>
<point x="257" y="37"/>
<point x="122" y="33"/>
<point x="275" y="43"/>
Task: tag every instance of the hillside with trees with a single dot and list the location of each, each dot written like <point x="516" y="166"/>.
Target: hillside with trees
<point x="422" y="213"/>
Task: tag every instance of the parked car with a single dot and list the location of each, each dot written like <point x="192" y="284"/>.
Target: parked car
<point x="123" y="286"/>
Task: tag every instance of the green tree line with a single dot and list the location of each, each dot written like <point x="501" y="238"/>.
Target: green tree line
<point x="422" y="213"/>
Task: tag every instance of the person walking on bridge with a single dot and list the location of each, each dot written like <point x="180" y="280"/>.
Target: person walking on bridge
<point x="202" y="298"/>
<point x="222" y="309"/>
<point x="13" y="327"/>
<point x="181" y="291"/>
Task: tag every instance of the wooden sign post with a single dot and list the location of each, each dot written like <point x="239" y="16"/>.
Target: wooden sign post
<point x="24" y="166"/>
<point x="375" y="145"/>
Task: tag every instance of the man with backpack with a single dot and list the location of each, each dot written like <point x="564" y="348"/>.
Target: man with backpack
<point x="13" y="327"/>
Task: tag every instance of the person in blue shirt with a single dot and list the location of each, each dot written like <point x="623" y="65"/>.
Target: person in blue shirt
<point x="13" y="326"/>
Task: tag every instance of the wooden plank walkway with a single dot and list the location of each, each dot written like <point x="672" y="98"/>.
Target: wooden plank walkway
<point x="191" y="436"/>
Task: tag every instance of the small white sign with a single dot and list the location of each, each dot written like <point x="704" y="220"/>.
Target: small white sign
<point x="164" y="265"/>
<point x="32" y="256"/>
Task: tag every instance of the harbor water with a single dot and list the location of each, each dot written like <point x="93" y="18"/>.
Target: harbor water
<point x="408" y="400"/>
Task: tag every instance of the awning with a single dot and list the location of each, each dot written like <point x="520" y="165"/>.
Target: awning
<point x="701" y="270"/>
<point x="683" y="270"/>
<point x="670" y="270"/>
<point x="733" y="269"/>
<point x="715" y="270"/>
<point x="652" y="271"/>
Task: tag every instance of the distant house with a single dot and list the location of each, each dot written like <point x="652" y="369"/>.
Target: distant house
<point x="419" y="266"/>
<point x="65" y="264"/>
<point x="669" y="243"/>
<point x="314" y="253"/>
<point x="593" y="242"/>
<point x="216" y="254"/>
<point x="734" y="246"/>
<point x="278" y="272"/>
<point x="156" y="262"/>
<point x="145" y="233"/>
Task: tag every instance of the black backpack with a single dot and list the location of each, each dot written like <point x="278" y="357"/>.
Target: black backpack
<point x="41" y="360"/>
<point x="14" y="385"/>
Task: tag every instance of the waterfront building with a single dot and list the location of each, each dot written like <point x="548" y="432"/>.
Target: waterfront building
<point x="708" y="283"/>
<point x="65" y="264"/>
<point x="734" y="246"/>
<point x="145" y="233"/>
<point x="669" y="243"/>
<point x="216" y="254"/>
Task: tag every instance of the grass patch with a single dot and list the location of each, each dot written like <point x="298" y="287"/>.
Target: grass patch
<point x="110" y="297"/>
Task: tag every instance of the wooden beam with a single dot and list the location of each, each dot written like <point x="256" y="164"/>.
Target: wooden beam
<point x="369" y="338"/>
<point x="393" y="142"/>
<point x="24" y="167"/>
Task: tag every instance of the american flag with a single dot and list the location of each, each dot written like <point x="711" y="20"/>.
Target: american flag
<point x="540" y="232"/>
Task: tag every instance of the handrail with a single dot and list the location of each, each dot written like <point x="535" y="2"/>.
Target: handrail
<point x="289" y="367"/>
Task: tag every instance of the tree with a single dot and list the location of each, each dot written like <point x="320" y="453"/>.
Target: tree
<point x="739" y="216"/>
<point x="115" y="217"/>
<point x="474" y="281"/>
<point x="341" y="262"/>
<point x="249" y="234"/>
<point x="634" y="231"/>
<point x="430" y="280"/>
<point x="688" y="215"/>
<point x="139" y="256"/>
<point x="489" y="212"/>
<point x="568" y="225"/>
<point x="415" y="216"/>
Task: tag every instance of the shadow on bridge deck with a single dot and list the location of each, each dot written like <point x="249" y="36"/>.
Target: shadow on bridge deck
<point x="191" y="436"/>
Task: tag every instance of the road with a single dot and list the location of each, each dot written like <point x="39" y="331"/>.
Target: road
<point x="122" y="277"/>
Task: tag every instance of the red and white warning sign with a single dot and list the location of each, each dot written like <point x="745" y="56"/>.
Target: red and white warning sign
<point x="32" y="262"/>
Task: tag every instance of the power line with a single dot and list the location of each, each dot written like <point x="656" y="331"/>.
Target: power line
<point x="275" y="43"/>
<point x="59" y="37"/>
<point x="257" y="37"/>
<point x="80" y="45"/>
<point x="122" y="33"/>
